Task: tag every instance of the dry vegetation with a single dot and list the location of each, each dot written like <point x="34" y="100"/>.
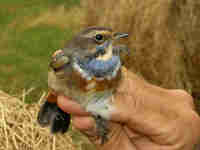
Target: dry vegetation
<point x="19" y="129"/>
<point x="164" y="38"/>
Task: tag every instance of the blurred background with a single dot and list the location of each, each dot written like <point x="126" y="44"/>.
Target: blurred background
<point x="163" y="39"/>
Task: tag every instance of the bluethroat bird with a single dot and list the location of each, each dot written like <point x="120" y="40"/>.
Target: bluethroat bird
<point x="88" y="70"/>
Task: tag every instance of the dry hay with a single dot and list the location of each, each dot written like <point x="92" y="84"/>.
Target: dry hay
<point x="19" y="128"/>
<point x="164" y="37"/>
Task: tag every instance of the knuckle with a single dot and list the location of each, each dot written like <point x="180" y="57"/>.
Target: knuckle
<point x="181" y="91"/>
<point x="185" y="96"/>
<point x="184" y="93"/>
<point x="77" y="123"/>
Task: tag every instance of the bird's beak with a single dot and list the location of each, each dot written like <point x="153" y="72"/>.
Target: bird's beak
<point x="119" y="35"/>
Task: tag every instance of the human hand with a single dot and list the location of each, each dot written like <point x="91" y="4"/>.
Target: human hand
<point x="147" y="117"/>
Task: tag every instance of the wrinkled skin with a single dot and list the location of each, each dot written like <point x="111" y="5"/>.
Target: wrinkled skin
<point x="147" y="117"/>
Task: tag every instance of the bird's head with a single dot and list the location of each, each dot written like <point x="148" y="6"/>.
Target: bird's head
<point x="92" y="51"/>
<point x="96" y="42"/>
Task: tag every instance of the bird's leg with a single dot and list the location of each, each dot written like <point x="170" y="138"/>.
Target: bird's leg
<point x="102" y="128"/>
<point x="101" y="110"/>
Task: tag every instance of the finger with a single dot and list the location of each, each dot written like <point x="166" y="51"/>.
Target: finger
<point x="83" y="123"/>
<point x="70" y="106"/>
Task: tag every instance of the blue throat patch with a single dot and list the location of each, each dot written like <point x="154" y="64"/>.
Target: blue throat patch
<point x="100" y="68"/>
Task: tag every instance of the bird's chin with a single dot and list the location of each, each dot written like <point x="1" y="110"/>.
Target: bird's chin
<point x="99" y="69"/>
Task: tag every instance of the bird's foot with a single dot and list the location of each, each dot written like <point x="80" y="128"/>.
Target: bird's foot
<point x="102" y="128"/>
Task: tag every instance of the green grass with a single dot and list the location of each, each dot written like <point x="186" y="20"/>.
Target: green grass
<point x="25" y="51"/>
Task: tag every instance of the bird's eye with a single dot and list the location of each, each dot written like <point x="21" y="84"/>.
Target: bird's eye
<point x="99" y="37"/>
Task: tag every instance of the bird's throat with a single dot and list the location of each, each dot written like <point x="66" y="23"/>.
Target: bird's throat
<point x="108" y="55"/>
<point x="99" y="68"/>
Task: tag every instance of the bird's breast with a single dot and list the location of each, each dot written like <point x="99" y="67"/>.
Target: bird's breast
<point x="94" y="89"/>
<point x="94" y="84"/>
<point x="79" y="88"/>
